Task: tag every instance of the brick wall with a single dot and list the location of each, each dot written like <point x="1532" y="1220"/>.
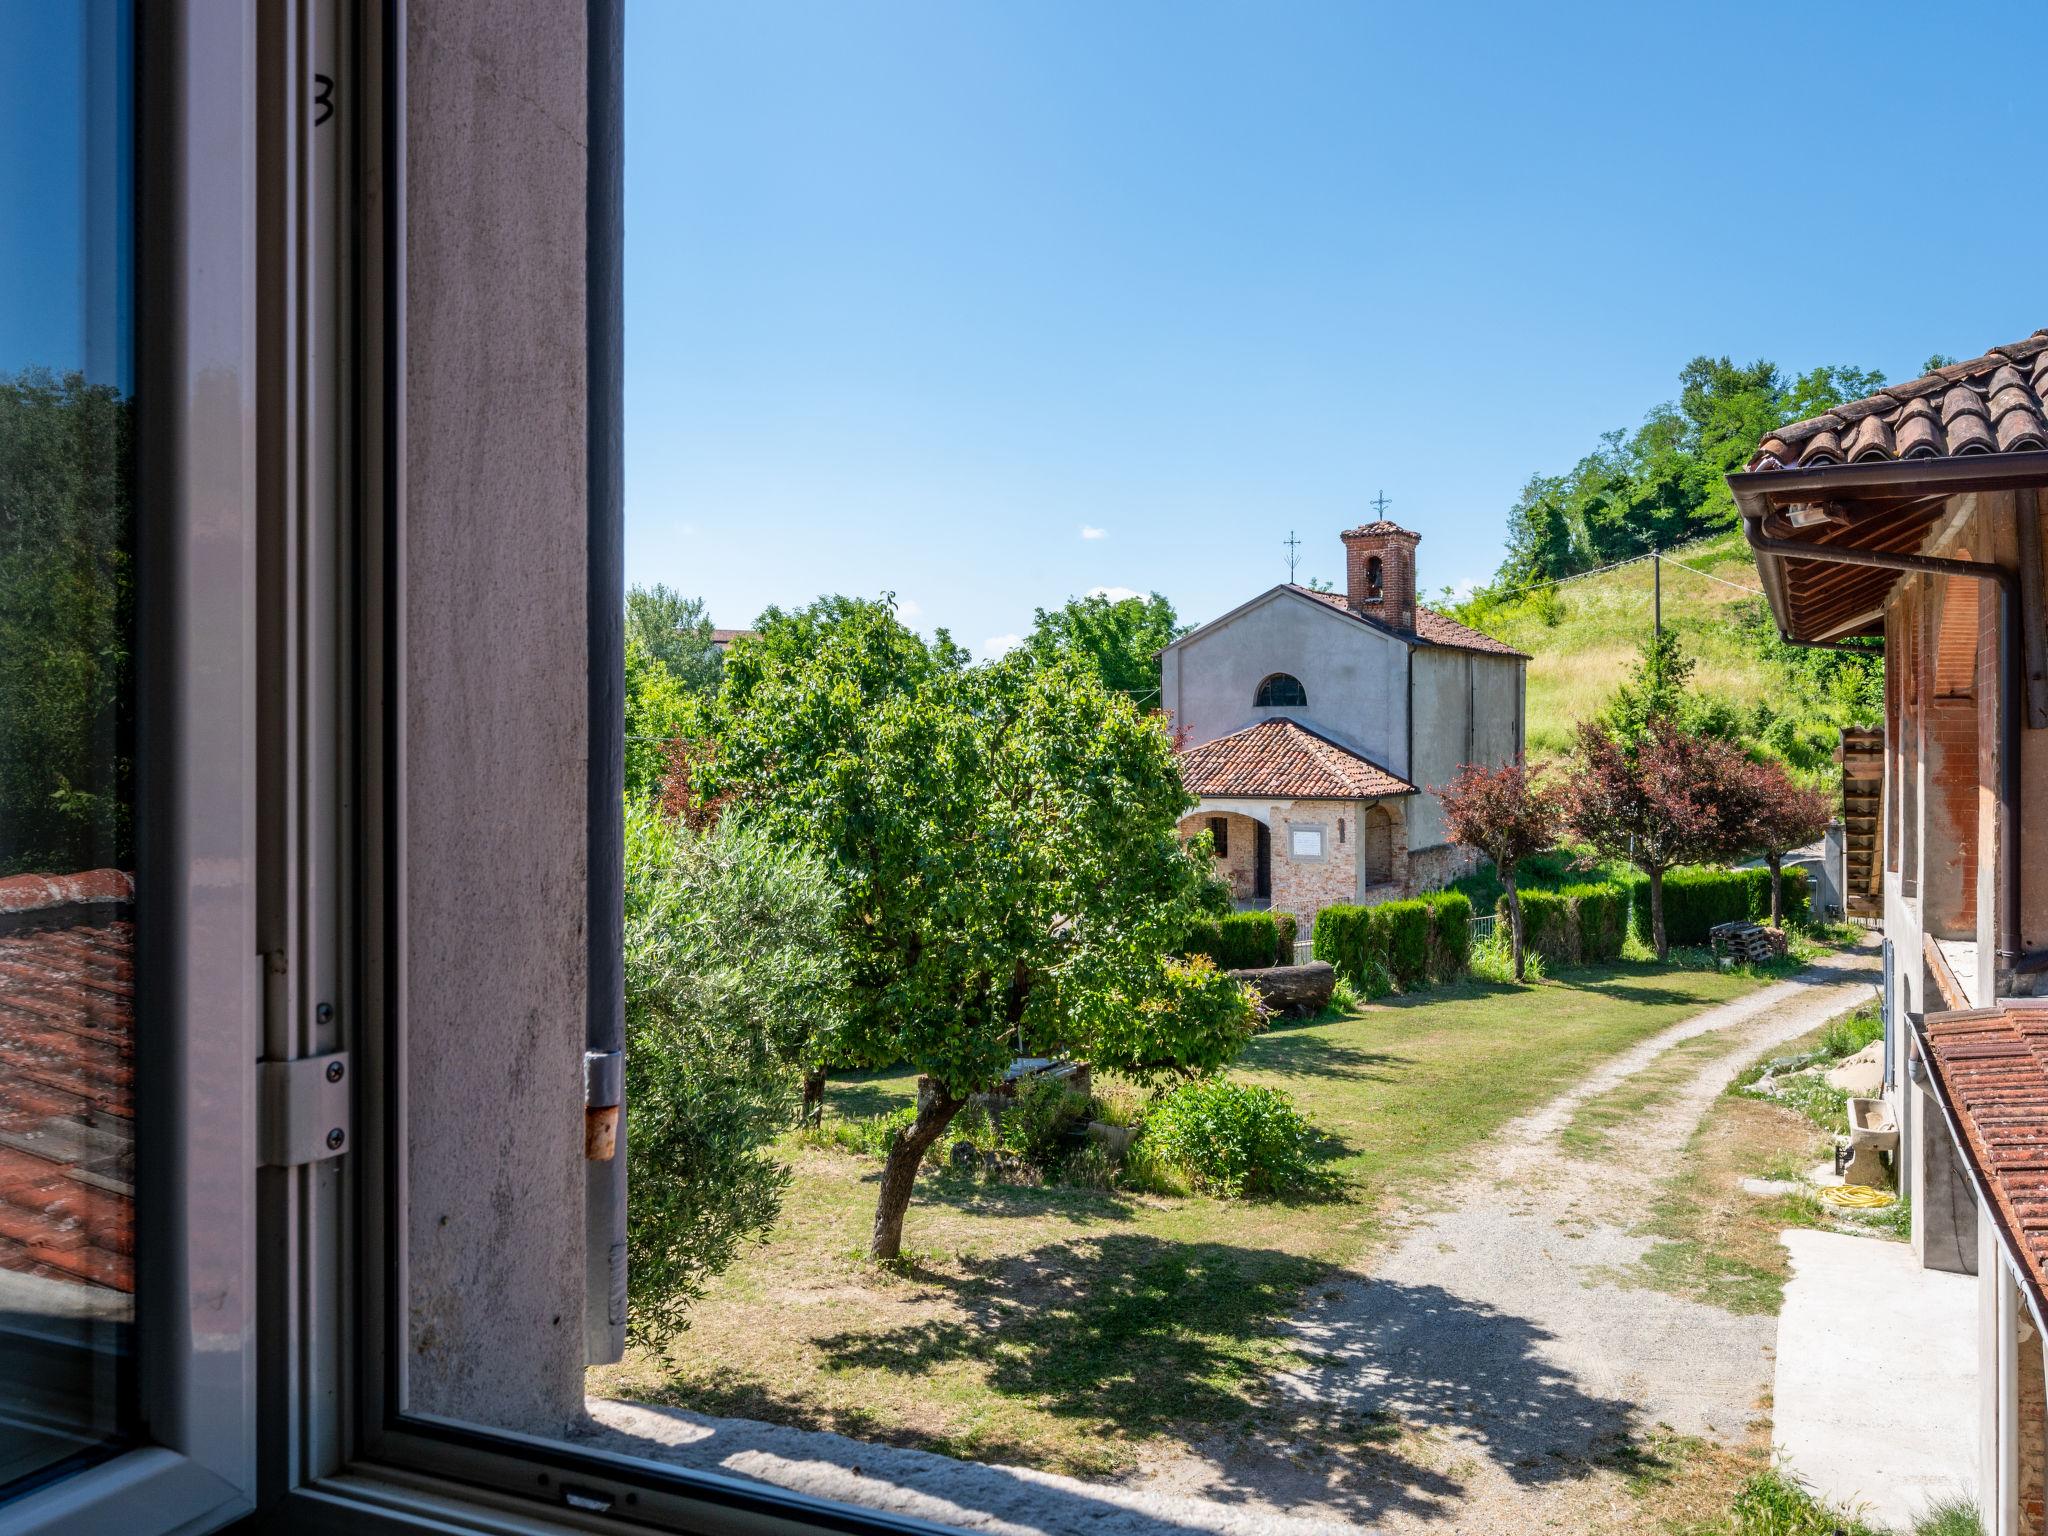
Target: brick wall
<point x="1395" y="550"/>
<point x="1305" y="886"/>
<point x="1238" y="864"/>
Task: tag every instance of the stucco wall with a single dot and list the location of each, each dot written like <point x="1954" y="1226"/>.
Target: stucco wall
<point x="1468" y="709"/>
<point x="496" y="708"/>
<point x="1356" y="677"/>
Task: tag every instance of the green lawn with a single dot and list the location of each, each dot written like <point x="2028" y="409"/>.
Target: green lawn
<point x="1062" y="1327"/>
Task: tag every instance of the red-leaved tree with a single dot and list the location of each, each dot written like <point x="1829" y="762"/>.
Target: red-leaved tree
<point x="1507" y="814"/>
<point x="1656" y="804"/>
<point x="1766" y="814"/>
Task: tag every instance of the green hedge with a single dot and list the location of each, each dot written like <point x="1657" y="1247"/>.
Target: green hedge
<point x="1450" y="934"/>
<point x="1696" y="897"/>
<point x="1602" y="915"/>
<point x="1241" y="941"/>
<point x="1549" y="926"/>
<point x="1396" y="943"/>
<point x="1288" y="932"/>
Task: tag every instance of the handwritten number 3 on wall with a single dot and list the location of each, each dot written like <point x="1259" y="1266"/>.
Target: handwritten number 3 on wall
<point x="323" y="99"/>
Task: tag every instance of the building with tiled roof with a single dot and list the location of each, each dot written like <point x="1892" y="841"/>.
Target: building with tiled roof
<point x="1315" y="726"/>
<point x="1911" y="521"/>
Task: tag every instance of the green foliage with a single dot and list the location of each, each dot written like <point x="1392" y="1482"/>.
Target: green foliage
<point x="1189" y="1017"/>
<point x="676" y="632"/>
<point x="1395" y="943"/>
<point x="1241" y="941"/>
<point x="1289" y="934"/>
<point x="1852" y="1031"/>
<point x="660" y="712"/>
<point x="1773" y="1503"/>
<point x="1797" y="894"/>
<point x="1664" y="483"/>
<point x="1549" y="926"/>
<point x="1601" y="915"/>
<point x="66" y="619"/>
<point x="1450" y="934"/>
<point x="1494" y="959"/>
<point x="1042" y="1111"/>
<point x="1118" y="639"/>
<point x="1696" y="897"/>
<point x="733" y="984"/>
<point x="1233" y="1139"/>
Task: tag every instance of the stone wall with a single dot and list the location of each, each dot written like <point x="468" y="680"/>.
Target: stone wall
<point x="1431" y="869"/>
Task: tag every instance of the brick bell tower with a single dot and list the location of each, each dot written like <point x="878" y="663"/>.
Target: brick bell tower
<point x="1379" y="569"/>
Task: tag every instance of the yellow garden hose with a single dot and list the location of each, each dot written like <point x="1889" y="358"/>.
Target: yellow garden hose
<point x="1858" y="1196"/>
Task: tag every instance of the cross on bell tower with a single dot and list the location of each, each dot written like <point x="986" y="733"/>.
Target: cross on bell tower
<point x="1293" y="546"/>
<point x="1379" y="504"/>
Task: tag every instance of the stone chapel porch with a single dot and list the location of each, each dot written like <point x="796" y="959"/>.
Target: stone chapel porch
<point x="1299" y="856"/>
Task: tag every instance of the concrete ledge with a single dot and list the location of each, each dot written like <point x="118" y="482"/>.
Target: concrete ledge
<point x="1875" y="1399"/>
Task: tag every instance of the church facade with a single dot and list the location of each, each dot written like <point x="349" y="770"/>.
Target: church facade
<point x="1316" y="727"/>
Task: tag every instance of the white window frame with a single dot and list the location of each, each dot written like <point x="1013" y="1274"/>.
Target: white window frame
<point x="199" y="1000"/>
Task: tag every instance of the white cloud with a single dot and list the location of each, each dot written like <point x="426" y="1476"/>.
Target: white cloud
<point x="1461" y="591"/>
<point x="1088" y="532"/>
<point x="1114" y="594"/>
<point x="908" y="608"/>
<point x="999" y="645"/>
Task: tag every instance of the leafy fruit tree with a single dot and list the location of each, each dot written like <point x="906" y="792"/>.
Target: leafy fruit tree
<point x="660" y="712"/>
<point x="1118" y="638"/>
<point x="733" y="976"/>
<point x="677" y="633"/>
<point x="1506" y="813"/>
<point x="1654" y="803"/>
<point x="1765" y="813"/>
<point x="1003" y="837"/>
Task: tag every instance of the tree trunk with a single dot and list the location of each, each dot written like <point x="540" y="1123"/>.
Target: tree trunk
<point x="1292" y="989"/>
<point x="813" y="1112"/>
<point x="1514" y="921"/>
<point x="1777" y="904"/>
<point x="899" y="1170"/>
<point x="1657" y="915"/>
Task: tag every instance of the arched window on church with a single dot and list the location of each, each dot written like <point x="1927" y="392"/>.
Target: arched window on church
<point x="1378" y="831"/>
<point x="1281" y="691"/>
<point x="1375" y="579"/>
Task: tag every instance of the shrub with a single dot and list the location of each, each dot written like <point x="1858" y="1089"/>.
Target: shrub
<point x="1241" y="941"/>
<point x="1601" y="912"/>
<point x="1698" y="899"/>
<point x="1494" y="960"/>
<point x="1549" y="927"/>
<point x="1406" y="926"/>
<point x="1288" y="935"/>
<point x="1450" y="934"/>
<point x="1851" y="1032"/>
<point x="733" y="988"/>
<point x="1194" y="1017"/>
<point x="1231" y="1138"/>
<point x="1798" y="894"/>
<point x="1035" y="1119"/>
<point x="1340" y="937"/>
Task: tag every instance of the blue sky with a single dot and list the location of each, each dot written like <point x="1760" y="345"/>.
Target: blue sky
<point x="990" y="304"/>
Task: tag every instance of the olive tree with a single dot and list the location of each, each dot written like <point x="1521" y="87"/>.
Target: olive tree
<point x="733" y="978"/>
<point x="1003" y="837"/>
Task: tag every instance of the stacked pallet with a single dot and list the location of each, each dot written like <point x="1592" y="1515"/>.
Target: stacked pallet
<point x="1747" y="943"/>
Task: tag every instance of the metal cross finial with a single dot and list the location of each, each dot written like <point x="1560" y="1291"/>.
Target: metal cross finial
<point x="1380" y="503"/>
<point x="1293" y="553"/>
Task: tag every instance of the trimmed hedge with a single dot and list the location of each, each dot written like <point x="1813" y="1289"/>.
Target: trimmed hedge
<point x="1288" y="933"/>
<point x="1450" y="934"/>
<point x="1549" y="926"/>
<point x="1602" y="914"/>
<point x="1580" y="925"/>
<point x="1396" y="943"/>
<point x="1239" y="942"/>
<point x="1697" y="897"/>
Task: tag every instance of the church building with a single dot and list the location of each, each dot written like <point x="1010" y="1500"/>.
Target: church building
<point x="1315" y="727"/>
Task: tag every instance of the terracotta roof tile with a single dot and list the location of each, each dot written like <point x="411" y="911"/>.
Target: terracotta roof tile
<point x="1431" y="627"/>
<point x="66" y="1079"/>
<point x="1990" y="1068"/>
<point x="1989" y="404"/>
<point x="1286" y="760"/>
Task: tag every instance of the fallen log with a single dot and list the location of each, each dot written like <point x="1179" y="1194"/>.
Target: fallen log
<point x="1295" y="990"/>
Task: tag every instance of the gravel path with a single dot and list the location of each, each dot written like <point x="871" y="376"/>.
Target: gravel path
<point x="1490" y="1339"/>
<point x="1473" y="1382"/>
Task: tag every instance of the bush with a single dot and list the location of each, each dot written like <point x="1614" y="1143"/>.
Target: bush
<point x="1796" y="893"/>
<point x="1232" y="1139"/>
<point x="1039" y="1114"/>
<point x="733" y="987"/>
<point x="1450" y="934"/>
<point x="1493" y="961"/>
<point x="1241" y="941"/>
<point x="1288" y="933"/>
<point x="1406" y="927"/>
<point x="1194" y="1017"/>
<point x="1601" y="913"/>
<point x="1549" y="926"/>
<point x="1851" y="1032"/>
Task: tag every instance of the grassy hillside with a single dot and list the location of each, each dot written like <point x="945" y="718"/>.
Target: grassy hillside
<point x="1584" y="636"/>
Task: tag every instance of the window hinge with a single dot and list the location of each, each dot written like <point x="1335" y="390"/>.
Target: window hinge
<point x="304" y="1109"/>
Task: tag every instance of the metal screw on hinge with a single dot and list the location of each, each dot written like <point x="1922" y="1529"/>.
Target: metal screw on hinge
<point x="334" y="1070"/>
<point x="324" y="1013"/>
<point x="335" y="1138"/>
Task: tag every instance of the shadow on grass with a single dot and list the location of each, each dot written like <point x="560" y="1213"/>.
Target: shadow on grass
<point x="857" y="1096"/>
<point x="1302" y="1053"/>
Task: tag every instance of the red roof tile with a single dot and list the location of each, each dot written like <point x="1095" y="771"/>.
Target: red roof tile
<point x="66" y="1080"/>
<point x="1284" y="759"/>
<point x="1989" y="1067"/>
<point x="1431" y="627"/>
<point x="1990" y="404"/>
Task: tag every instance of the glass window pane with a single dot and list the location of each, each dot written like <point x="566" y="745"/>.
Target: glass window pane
<point x="66" y="833"/>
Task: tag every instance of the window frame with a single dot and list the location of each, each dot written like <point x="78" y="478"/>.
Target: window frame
<point x="199" y="1010"/>
<point x="1261" y="695"/>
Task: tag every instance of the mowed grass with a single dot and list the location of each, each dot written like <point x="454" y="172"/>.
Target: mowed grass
<point x="1067" y="1328"/>
<point x="1602" y="620"/>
